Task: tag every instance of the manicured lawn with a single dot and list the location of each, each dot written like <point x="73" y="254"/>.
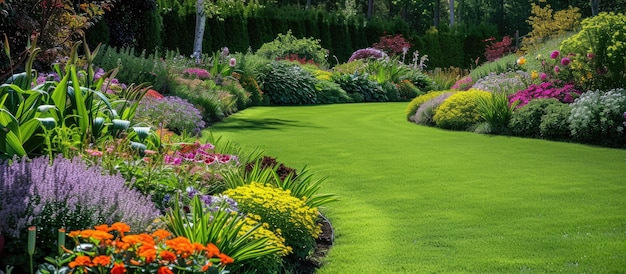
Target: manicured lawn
<point x="423" y="200"/>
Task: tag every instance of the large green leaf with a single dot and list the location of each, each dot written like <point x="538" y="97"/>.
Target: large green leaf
<point x="59" y="95"/>
<point x="80" y="107"/>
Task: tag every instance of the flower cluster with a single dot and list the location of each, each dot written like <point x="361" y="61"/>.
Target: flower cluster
<point x="108" y="249"/>
<point x="110" y="85"/>
<point x="199" y="153"/>
<point x="565" y="94"/>
<point x="367" y="53"/>
<point x="508" y="82"/>
<point x="558" y="69"/>
<point x="196" y="73"/>
<point x="174" y="113"/>
<point x="464" y="83"/>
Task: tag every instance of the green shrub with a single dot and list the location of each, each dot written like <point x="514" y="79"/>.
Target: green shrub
<point x="133" y="67"/>
<point x="496" y="111"/>
<point x="287" y="44"/>
<point x="329" y="92"/>
<point x="598" y="117"/>
<point x="407" y="90"/>
<point x="391" y="90"/>
<point x="554" y="124"/>
<point x="283" y="212"/>
<point x="171" y="112"/>
<point x="599" y="51"/>
<point x="526" y="121"/>
<point x="460" y="110"/>
<point x="419" y="100"/>
<point x="356" y="66"/>
<point x="288" y="84"/>
<point x="213" y="103"/>
<point x="360" y="87"/>
<point x="418" y="79"/>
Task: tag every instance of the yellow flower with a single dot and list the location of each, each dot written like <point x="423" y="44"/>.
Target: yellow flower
<point x="534" y="75"/>
<point x="521" y="61"/>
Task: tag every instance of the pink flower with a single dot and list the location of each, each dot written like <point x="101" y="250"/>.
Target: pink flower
<point x="565" y="61"/>
<point x="555" y="54"/>
<point x="556" y="69"/>
<point x="543" y="76"/>
<point x="233" y="62"/>
<point x="590" y="55"/>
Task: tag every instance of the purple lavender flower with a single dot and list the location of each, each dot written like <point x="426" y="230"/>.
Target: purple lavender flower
<point x="66" y="194"/>
<point x="175" y="113"/>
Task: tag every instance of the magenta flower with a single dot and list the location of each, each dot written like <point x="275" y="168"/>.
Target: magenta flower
<point x="233" y="62"/>
<point x="565" y="61"/>
<point x="556" y="69"/>
<point x="543" y="76"/>
<point x="555" y="54"/>
<point x="590" y="55"/>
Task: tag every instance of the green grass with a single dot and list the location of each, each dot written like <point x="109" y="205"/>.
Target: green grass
<point x="423" y="200"/>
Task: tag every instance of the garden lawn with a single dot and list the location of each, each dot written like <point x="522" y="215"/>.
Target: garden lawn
<point x="416" y="199"/>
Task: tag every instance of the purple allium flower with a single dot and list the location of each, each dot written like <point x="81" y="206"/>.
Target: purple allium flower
<point x="565" y="61"/>
<point x="66" y="194"/>
<point x="367" y="53"/>
<point x="555" y="54"/>
<point x="225" y="51"/>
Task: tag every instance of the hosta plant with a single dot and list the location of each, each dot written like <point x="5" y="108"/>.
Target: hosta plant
<point x="288" y="84"/>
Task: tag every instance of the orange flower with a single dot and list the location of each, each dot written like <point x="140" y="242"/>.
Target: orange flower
<point x="74" y="233"/>
<point x="161" y="234"/>
<point x="198" y="247"/>
<point x="101" y="235"/>
<point x="181" y="245"/>
<point x="103" y="227"/>
<point x="118" y="268"/>
<point x="148" y="252"/>
<point x="225" y="259"/>
<point x="206" y="267"/>
<point x="121" y="228"/>
<point x="164" y="270"/>
<point x="81" y="260"/>
<point x="168" y="256"/>
<point x="102" y="260"/>
<point x="213" y="250"/>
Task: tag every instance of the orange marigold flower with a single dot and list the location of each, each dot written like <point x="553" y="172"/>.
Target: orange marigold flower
<point x="167" y="255"/>
<point x="100" y="235"/>
<point x="198" y="247"/>
<point x="81" y="260"/>
<point x="181" y="245"/>
<point x="74" y="233"/>
<point x="213" y="250"/>
<point x="161" y="234"/>
<point x="102" y="260"/>
<point x="164" y="270"/>
<point x="225" y="259"/>
<point x="103" y="227"/>
<point x="118" y="268"/>
<point x="148" y="252"/>
<point x="120" y="227"/>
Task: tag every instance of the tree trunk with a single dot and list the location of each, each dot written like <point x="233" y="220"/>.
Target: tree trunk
<point x="451" y="13"/>
<point x="370" y="8"/>
<point x="200" y="26"/>
<point x="595" y="5"/>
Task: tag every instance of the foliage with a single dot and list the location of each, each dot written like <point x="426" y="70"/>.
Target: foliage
<point x="359" y="65"/>
<point x="463" y="84"/>
<point x="419" y="100"/>
<point x="565" y="94"/>
<point x="360" y="88"/>
<point x="526" y="120"/>
<point x="445" y="78"/>
<point x="418" y="79"/>
<point x="502" y="65"/>
<point x="554" y="123"/>
<point x="109" y="249"/>
<point x="288" y="84"/>
<point x="367" y="53"/>
<point x="329" y="92"/>
<point x="496" y="111"/>
<point x="598" y="51"/>
<point x="171" y="112"/>
<point x="223" y="227"/>
<point x="63" y="194"/>
<point x="460" y="110"/>
<point x="496" y="50"/>
<point x="393" y="45"/>
<point x="286" y="44"/>
<point x="283" y="212"/>
<point x="598" y="116"/>
<point x="386" y="70"/>
<point x="546" y="24"/>
<point x="425" y="112"/>
<point x="509" y="82"/>
<point x="214" y="103"/>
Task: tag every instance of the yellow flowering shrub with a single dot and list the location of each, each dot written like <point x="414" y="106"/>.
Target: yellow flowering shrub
<point x="546" y="23"/>
<point x="285" y="214"/>
<point x="460" y="111"/>
<point x="274" y="238"/>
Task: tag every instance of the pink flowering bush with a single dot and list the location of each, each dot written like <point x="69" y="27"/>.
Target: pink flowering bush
<point x="565" y="94"/>
<point x="196" y="73"/>
<point x="464" y="83"/>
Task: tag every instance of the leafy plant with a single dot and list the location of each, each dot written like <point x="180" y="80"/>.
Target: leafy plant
<point x="288" y="84"/>
<point x="554" y="123"/>
<point x="495" y="50"/>
<point x="360" y="87"/>
<point x="546" y="24"/>
<point x="171" y="112"/>
<point x="508" y="82"/>
<point x="425" y="112"/>
<point x="526" y="121"/>
<point x="286" y="44"/>
<point x="598" y="116"/>
<point x="496" y="111"/>
<point x="460" y="110"/>
<point x="393" y="44"/>
<point x="419" y="100"/>
<point x="290" y="215"/>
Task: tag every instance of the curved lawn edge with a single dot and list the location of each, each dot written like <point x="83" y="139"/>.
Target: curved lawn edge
<point x="419" y="199"/>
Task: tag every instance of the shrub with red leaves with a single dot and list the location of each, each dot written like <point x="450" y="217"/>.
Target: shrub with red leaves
<point x="495" y="50"/>
<point x="393" y="44"/>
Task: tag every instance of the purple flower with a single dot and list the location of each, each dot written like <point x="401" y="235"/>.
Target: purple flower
<point x="565" y="61"/>
<point x="367" y="53"/>
<point x="555" y="54"/>
<point x="233" y="62"/>
<point x="225" y="51"/>
<point x="543" y="76"/>
<point x="556" y="69"/>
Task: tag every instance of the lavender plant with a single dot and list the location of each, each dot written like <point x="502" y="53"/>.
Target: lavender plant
<point x="426" y="111"/>
<point x="174" y="113"/>
<point x="65" y="194"/>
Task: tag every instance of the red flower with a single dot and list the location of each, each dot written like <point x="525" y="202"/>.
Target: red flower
<point x="164" y="270"/>
<point x="118" y="268"/>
